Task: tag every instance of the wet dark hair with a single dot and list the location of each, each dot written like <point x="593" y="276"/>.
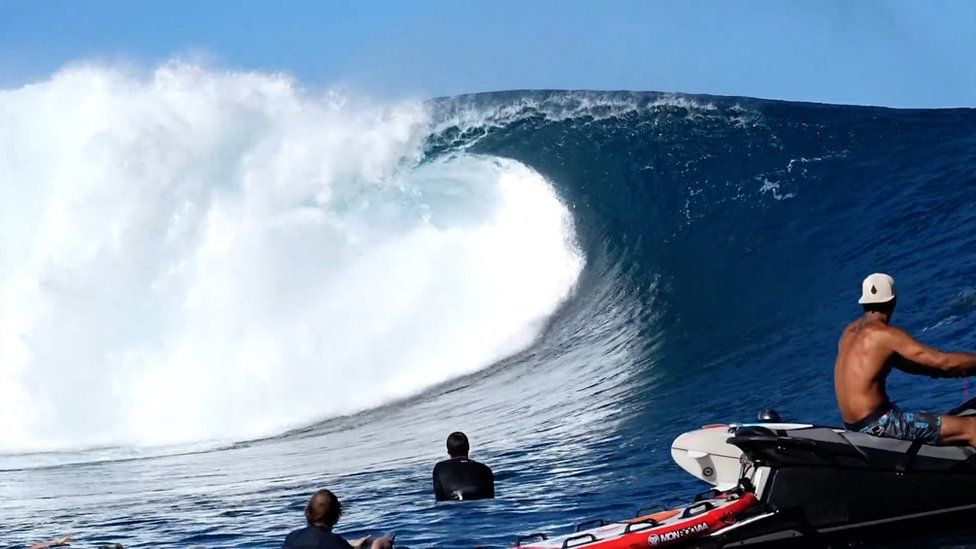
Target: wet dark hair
<point x="457" y="444"/>
<point x="886" y="308"/>
<point x="325" y="511"/>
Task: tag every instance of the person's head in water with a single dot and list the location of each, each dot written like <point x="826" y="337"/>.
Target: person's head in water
<point x="878" y="295"/>
<point x="323" y="509"/>
<point x="457" y="445"/>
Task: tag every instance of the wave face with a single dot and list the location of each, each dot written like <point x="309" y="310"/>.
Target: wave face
<point x="572" y="278"/>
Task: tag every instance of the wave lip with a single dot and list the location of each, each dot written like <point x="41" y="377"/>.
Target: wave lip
<point x="205" y="256"/>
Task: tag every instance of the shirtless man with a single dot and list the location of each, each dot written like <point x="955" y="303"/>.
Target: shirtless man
<point x="868" y="349"/>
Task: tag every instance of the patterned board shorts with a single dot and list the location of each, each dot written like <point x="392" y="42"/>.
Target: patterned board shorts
<point x="896" y="423"/>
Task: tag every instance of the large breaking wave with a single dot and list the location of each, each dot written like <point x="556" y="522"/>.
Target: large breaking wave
<point x="194" y="255"/>
<point x="199" y="255"/>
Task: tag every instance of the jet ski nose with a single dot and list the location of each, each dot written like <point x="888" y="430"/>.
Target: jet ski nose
<point x="768" y="415"/>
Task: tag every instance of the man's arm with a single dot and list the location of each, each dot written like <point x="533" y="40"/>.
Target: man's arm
<point x="56" y="543"/>
<point x="918" y="358"/>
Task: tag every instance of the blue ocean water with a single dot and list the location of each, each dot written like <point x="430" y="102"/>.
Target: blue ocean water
<point x="725" y="240"/>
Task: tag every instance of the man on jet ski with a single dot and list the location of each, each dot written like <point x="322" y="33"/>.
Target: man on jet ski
<point x="868" y="349"/>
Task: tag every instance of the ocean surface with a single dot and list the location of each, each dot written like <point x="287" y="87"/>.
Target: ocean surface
<point x="220" y="292"/>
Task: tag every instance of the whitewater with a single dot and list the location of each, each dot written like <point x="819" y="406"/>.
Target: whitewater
<point x="196" y="256"/>
<point x="222" y="290"/>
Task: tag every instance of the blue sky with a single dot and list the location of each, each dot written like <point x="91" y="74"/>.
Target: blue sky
<point x="905" y="54"/>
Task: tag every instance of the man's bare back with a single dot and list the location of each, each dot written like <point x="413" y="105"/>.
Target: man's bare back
<point x="867" y="351"/>
<point x="861" y="369"/>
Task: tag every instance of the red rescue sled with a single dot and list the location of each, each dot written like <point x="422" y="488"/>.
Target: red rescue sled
<point x="658" y="530"/>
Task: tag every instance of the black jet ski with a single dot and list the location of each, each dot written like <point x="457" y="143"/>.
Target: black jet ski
<point x="820" y="482"/>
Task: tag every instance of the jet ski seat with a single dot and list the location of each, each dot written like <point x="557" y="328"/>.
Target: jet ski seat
<point x="829" y="447"/>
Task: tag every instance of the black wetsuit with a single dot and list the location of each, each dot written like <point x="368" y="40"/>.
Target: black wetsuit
<point x="313" y="537"/>
<point x="462" y="479"/>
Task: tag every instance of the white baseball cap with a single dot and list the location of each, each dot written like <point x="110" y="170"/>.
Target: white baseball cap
<point x="877" y="288"/>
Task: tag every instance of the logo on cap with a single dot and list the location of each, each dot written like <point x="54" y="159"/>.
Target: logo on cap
<point x="874" y="290"/>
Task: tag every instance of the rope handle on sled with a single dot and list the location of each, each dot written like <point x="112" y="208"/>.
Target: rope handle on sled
<point x="593" y="522"/>
<point x="638" y="525"/>
<point x="530" y="537"/>
<point x="705" y="507"/>
<point x="643" y="511"/>
<point x="590" y="538"/>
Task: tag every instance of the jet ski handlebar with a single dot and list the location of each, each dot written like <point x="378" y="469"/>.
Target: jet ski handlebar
<point x="968" y="406"/>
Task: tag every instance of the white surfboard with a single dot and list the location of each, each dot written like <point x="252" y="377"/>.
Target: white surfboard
<point x="705" y="454"/>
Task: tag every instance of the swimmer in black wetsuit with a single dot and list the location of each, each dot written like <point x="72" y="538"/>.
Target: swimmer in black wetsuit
<point x="460" y="478"/>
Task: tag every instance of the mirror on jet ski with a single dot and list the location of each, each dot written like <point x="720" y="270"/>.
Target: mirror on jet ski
<point x="768" y="415"/>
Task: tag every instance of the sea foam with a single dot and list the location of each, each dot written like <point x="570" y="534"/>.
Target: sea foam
<point x="197" y="255"/>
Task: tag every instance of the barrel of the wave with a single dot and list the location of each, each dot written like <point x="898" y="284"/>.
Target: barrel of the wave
<point x="672" y="528"/>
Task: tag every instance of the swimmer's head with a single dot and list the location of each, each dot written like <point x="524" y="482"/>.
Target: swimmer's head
<point x="457" y="445"/>
<point x="323" y="509"/>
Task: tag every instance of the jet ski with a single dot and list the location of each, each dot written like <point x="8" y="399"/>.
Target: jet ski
<point x="817" y="482"/>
